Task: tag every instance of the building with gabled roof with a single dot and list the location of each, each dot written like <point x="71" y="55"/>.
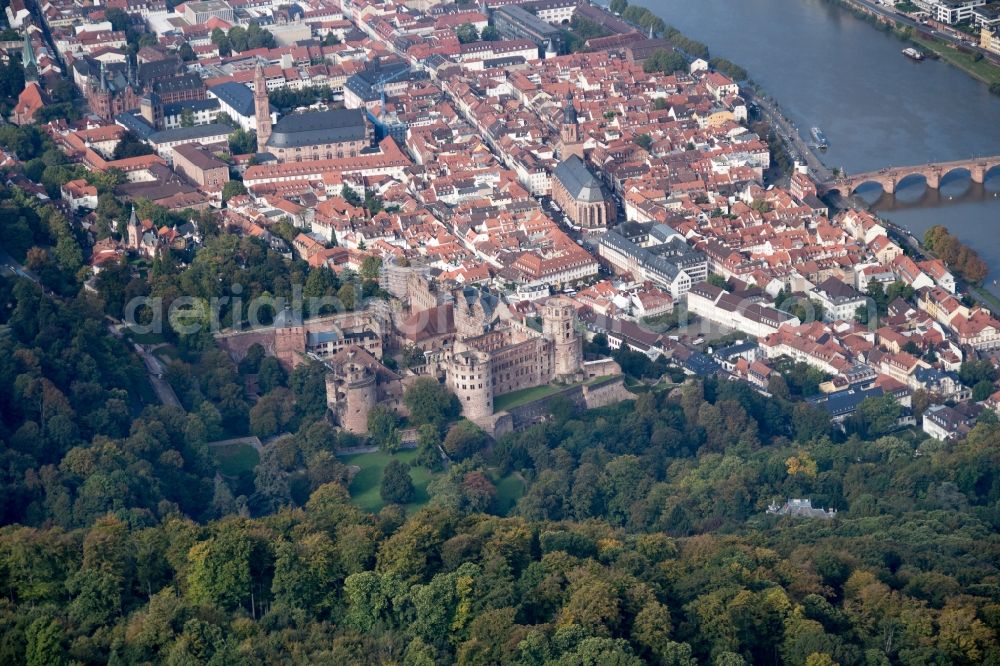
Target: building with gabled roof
<point x="946" y="423"/>
<point x="584" y="198"/>
<point x="840" y="301"/>
<point x="29" y="102"/>
<point x="319" y="135"/>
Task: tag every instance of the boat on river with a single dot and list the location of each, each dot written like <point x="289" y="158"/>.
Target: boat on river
<point x="819" y="137"/>
<point x="913" y="54"/>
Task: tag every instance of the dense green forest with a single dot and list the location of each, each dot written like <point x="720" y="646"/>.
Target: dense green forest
<point x="641" y="535"/>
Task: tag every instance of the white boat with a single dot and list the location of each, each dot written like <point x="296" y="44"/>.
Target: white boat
<point x="819" y="137"/>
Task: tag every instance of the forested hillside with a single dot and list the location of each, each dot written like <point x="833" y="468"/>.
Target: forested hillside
<point x="641" y="536"/>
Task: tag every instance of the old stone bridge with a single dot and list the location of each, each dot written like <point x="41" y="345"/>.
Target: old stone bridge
<point x="932" y="173"/>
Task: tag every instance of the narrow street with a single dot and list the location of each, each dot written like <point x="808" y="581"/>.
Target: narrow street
<point x="797" y="146"/>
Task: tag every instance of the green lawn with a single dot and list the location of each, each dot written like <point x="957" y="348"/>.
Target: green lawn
<point x="366" y="483"/>
<point x="524" y="396"/>
<point x="233" y="459"/>
<point x="509" y="490"/>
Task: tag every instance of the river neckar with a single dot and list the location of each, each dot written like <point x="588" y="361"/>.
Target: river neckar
<point x="876" y="107"/>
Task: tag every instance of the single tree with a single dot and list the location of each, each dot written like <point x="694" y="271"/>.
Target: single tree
<point x="464" y="440"/>
<point x="430" y="402"/>
<point x="233" y="188"/>
<point x="397" y="486"/>
<point x="467" y="33"/>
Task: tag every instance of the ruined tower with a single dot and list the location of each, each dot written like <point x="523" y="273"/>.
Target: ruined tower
<point x="559" y="326"/>
<point x="470" y="378"/>
<point x="359" y="399"/>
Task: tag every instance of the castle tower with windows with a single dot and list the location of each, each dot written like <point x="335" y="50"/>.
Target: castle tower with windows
<point x="355" y="384"/>
<point x="360" y="398"/>
<point x="470" y="377"/>
<point x="134" y="231"/>
<point x="559" y="326"/>
<point x="262" y="107"/>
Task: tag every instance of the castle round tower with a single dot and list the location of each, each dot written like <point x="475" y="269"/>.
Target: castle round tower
<point x="558" y="325"/>
<point x="470" y="378"/>
<point x="359" y="398"/>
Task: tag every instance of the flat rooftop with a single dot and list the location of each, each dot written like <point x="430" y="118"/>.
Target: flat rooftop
<point x="207" y="5"/>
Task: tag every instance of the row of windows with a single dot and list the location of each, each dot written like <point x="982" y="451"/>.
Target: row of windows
<point x="514" y="362"/>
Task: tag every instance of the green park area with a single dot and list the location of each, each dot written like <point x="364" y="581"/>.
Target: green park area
<point x="367" y="482"/>
<point x="509" y="490"/>
<point x="166" y="353"/>
<point x="235" y="459"/>
<point x="524" y="396"/>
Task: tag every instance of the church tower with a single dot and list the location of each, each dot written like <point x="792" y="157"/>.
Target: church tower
<point x="569" y="131"/>
<point x="28" y="61"/>
<point x="134" y="230"/>
<point x="550" y="50"/>
<point x="262" y="107"/>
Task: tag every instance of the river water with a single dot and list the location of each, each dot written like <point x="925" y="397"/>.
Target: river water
<point x="830" y="69"/>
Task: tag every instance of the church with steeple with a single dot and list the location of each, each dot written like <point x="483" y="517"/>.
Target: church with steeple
<point x="32" y="98"/>
<point x="29" y="62"/>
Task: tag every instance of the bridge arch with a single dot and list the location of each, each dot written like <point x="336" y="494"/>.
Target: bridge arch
<point x="887" y="183"/>
<point x="955" y="181"/>
<point x="930" y="180"/>
<point x="963" y="169"/>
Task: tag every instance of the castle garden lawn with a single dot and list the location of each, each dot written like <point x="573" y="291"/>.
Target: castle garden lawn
<point x="367" y="482"/>
<point x="524" y="396"/>
<point x="510" y="488"/>
<point x="234" y="459"/>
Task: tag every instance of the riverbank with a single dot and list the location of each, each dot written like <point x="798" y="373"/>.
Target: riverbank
<point x="983" y="69"/>
<point x="978" y="293"/>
